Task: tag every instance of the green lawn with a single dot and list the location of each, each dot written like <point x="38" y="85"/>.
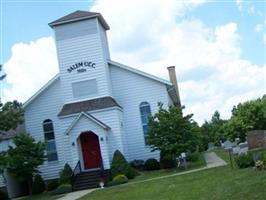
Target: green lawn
<point x="163" y="172"/>
<point x="213" y="184"/>
<point x="44" y="196"/>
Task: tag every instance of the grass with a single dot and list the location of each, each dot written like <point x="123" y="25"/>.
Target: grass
<point x="163" y="172"/>
<point x="44" y="196"/>
<point x="212" y="184"/>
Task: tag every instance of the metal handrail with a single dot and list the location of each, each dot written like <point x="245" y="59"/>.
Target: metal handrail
<point x="76" y="171"/>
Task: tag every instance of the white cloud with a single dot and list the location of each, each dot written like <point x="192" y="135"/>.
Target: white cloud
<point x="151" y="35"/>
<point x="258" y="27"/>
<point x="247" y="6"/>
<point x="30" y="66"/>
<point x="158" y="36"/>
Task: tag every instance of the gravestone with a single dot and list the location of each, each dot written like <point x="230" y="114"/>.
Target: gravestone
<point x="211" y="145"/>
<point x="228" y="145"/>
<point x="256" y="140"/>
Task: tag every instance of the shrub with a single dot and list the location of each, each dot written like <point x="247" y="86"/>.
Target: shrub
<point x="117" y="180"/>
<point x="120" y="166"/>
<point x="65" y="174"/>
<point x="151" y="164"/>
<point x="244" y="160"/>
<point x="3" y="195"/>
<point x="62" y="189"/>
<point x="121" y="177"/>
<point x="52" y="184"/>
<point x="137" y="164"/>
<point x="192" y="157"/>
<point x="167" y="161"/>
<point x="38" y="185"/>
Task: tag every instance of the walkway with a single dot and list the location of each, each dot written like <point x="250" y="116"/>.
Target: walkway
<point x="76" y="195"/>
<point x="212" y="160"/>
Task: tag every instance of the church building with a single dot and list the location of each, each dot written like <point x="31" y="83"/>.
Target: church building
<point x="94" y="105"/>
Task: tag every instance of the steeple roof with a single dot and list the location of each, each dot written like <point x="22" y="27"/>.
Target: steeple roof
<point x="78" y="16"/>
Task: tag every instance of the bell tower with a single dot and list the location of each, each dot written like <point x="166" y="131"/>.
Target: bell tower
<point x="82" y="50"/>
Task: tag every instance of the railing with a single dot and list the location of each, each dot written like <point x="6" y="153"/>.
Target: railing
<point x="76" y="171"/>
<point x="102" y="170"/>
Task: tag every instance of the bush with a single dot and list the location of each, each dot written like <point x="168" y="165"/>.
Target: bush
<point x="3" y="195"/>
<point x="65" y="174"/>
<point x="244" y="160"/>
<point x="117" y="180"/>
<point x="167" y="161"/>
<point x="137" y="164"/>
<point x="193" y="157"/>
<point x="52" y="184"/>
<point x="151" y="164"/>
<point x="121" y="177"/>
<point x="120" y="166"/>
<point x="38" y="185"/>
<point x="62" y="189"/>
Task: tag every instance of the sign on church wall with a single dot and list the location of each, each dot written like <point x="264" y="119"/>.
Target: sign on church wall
<point x="81" y="66"/>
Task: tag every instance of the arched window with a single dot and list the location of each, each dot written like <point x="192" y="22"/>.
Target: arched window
<point x="48" y="130"/>
<point x="145" y="112"/>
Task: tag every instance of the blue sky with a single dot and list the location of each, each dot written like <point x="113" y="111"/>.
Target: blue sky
<point x="24" y="21"/>
<point x="230" y="33"/>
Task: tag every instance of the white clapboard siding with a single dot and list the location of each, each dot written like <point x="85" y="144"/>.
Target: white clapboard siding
<point x="130" y="89"/>
<point x="104" y="41"/>
<point x="85" y="124"/>
<point x="87" y="46"/>
<point x="112" y="118"/>
<point x="46" y="106"/>
<point x="112" y="138"/>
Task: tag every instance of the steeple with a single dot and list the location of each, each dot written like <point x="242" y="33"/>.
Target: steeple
<point x="79" y="15"/>
<point x="82" y="50"/>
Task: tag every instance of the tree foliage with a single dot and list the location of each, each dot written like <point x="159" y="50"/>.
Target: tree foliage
<point x="172" y="132"/>
<point x="11" y="114"/>
<point x="65" y="174"/>
<point x="2" y="77"/>
<point x="22" y="159"/>
<point x="250" y="115"/>
<point x="213" y="131"/>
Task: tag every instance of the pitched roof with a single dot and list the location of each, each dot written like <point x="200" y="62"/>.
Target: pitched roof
<point x="43" y="88"/>
<point x="136" y="71"/>
<point x="78" y="16"/>
<point x="170" y="88"/>
<point x="88" y="105"/>
<point x="5" y="135"/>
<point x="89" y="116"/>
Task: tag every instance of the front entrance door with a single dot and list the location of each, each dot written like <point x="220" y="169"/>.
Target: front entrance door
<point x="90" y="150"/>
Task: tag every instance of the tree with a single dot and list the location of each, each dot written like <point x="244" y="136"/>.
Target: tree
<point x="65" y="174"/>
<point x="11" y="114"/>
<point x="250" y="115"/>
<point x="22" y="161"/>
<point x="172" y="132"/>
<point x="2" y="77"/>
<point x="212" y="131"/>
<point x="121" y="166"/>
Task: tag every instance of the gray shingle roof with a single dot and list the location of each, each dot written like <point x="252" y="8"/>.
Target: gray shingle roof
<point x="88" y="105"/>
<point x="78" y="16"/>
<point x="5" y="135"/>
